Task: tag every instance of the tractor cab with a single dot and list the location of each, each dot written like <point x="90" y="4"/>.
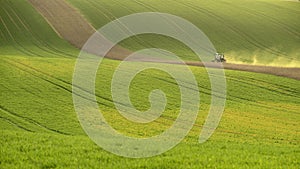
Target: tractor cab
<point x="219" y="57"/>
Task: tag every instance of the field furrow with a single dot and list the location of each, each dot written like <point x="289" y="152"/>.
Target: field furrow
<point x="29" y="120"/>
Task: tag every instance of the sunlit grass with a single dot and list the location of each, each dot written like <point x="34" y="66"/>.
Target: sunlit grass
<point x="38" y="120"/>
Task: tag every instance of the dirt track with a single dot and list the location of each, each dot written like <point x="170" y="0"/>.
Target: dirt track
<point x="72" y="26"/>
<point x="293" y="73"/>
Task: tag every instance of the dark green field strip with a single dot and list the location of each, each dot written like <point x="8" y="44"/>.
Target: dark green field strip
<point x="10" y="39"/>
<point x="23" y="26"/>
<point x="10" y="25"/>
<point x="37" y="39"/>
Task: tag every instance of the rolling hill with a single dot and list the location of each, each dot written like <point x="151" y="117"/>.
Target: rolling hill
<point x="39" y="127"/>
<point x="261" y="32"/>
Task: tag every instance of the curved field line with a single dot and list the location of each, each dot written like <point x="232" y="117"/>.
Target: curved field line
<point x="54" y="78"/>
<point x="169" y="21"/>
<point x="275" y="21"/>
<point x="34" y="36"/>
<point x="12" y="37"/>
<point x="156" y="10"/>
<point x="15" y="124"/>
<point x="39" y="45"/>
<point x="245" y="36"/>
<point x="280" y="7"/>
<point x="139" y="40"/>
<point x="13" y="21"/>
<point x="18" y="45"/>
<point x="252" y="11"/>
<point x="30" y="120"/>
<point x="273" y="90"/>
<point x="2" y="35"/>
<point x="13" y="40"/>
<point x="267" y="83"/>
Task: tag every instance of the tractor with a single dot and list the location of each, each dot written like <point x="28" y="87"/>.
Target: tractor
<point x="219" y="57"/>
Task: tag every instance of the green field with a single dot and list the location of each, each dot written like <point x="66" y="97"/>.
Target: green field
<point x="24" y="32"/>
<point x="260" y="125"/>
<point x="255" y="32"/>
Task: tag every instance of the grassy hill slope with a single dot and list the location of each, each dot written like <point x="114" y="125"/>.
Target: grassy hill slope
<point x="24" y="31"/>
<point x="39" y="128"/>
<point x="254" y="32"/>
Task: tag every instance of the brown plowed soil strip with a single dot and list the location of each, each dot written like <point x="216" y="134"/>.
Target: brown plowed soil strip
<point x="65" y="19"/>
<point x="73" y="27"/>
<point x="293" y="73"/>
<point x="70" y="24"/>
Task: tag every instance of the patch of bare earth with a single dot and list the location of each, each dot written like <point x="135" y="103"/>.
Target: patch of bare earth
<point x="293" y="73"/>
<point x="72" y="26"/>
<point x="65" y="19"/>
<point x="69" y="24"/>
